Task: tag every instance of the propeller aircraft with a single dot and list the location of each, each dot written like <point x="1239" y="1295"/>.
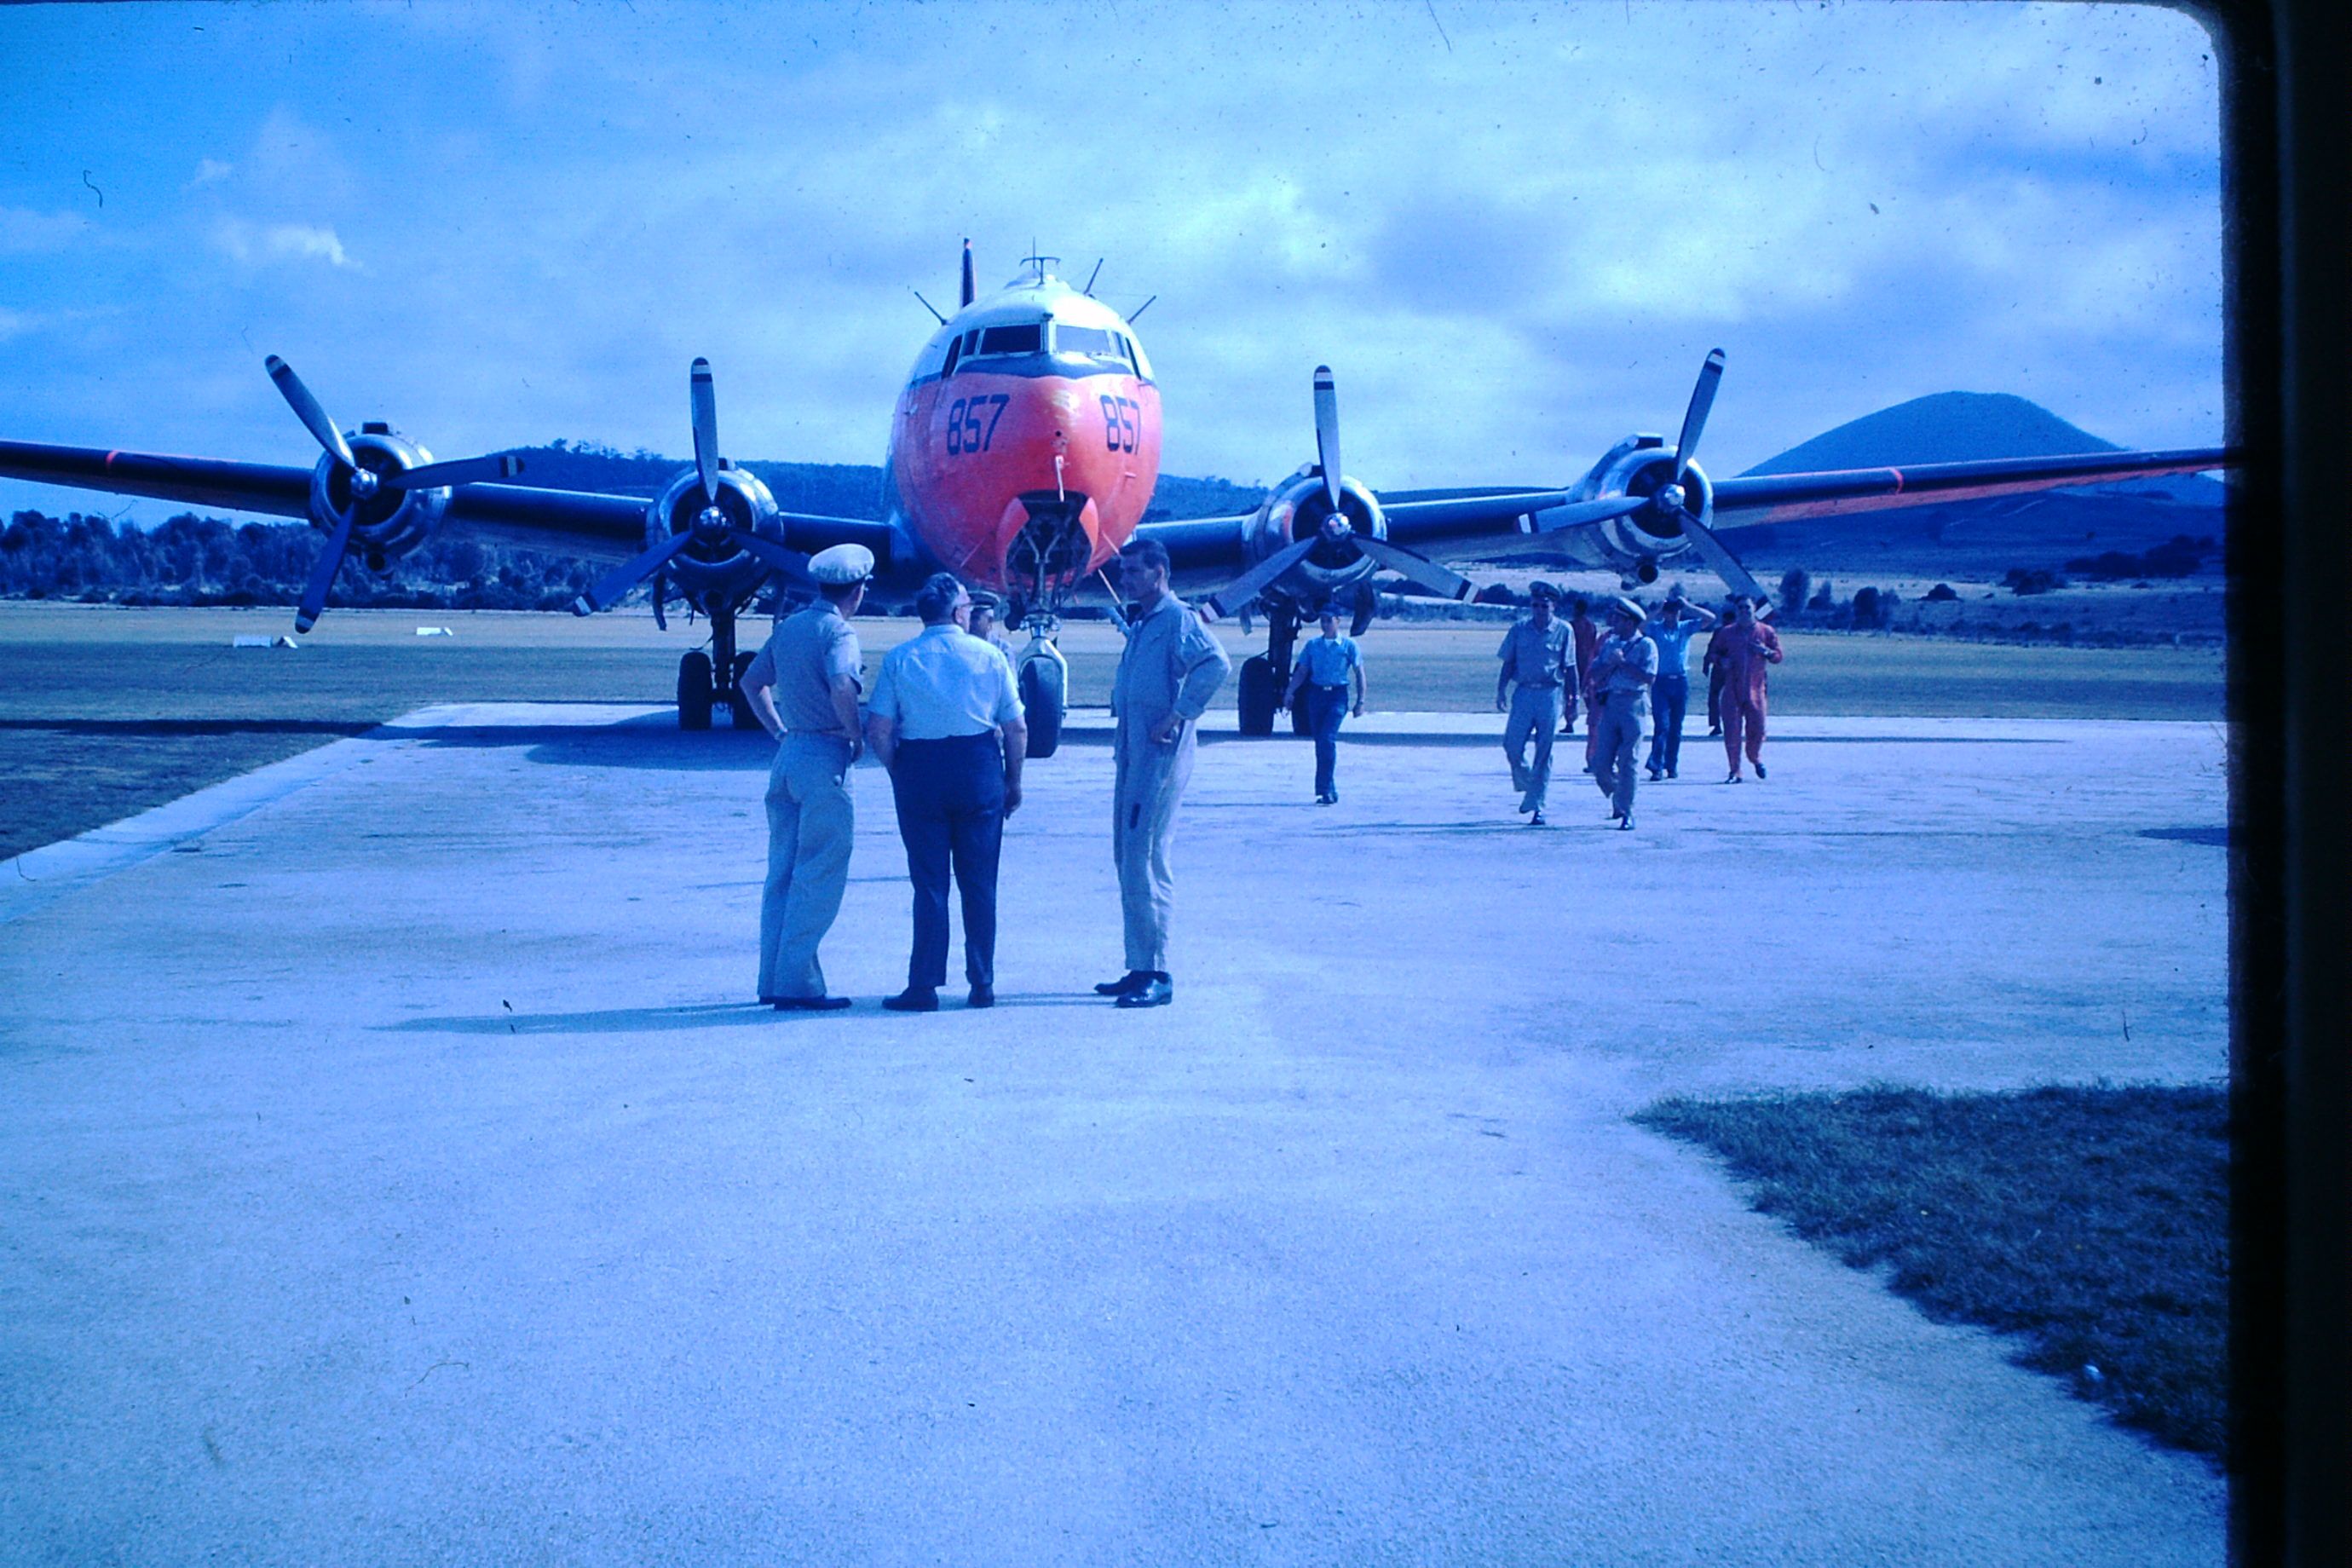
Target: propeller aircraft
<point x="1023" y="450"/>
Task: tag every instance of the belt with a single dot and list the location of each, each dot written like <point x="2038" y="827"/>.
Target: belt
<point x="1540" y="685"/>
<point x="1329" y="686"/>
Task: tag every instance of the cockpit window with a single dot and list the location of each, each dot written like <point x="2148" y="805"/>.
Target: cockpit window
<point x="1092" y="342"/>
<point x="1022" y="340"/>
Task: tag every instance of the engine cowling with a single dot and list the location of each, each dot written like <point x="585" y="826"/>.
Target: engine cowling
<point x="389" y="523"/>
<point x="1640" y="544"/>
<point x="1297" y="509"/>
<point x="714" y="563"/>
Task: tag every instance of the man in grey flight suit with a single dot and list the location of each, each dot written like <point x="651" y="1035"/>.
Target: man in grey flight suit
<point x="1172" y="668"/>
<point x="1622" y="668"/>
<point x="803" y="687"/>
<point x="1537" y="654"/>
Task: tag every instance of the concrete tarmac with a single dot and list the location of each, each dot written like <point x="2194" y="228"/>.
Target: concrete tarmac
<point x="396" y="1170"/>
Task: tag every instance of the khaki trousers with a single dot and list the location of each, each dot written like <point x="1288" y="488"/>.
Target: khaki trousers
<point x="811" y="824"/>
<point x="1149" y="787"/>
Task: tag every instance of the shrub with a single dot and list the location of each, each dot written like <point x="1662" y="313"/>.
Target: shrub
<point x="2032" y="580"/>
<point x="1941" y="594"/>
<point x="1795" y="586"/>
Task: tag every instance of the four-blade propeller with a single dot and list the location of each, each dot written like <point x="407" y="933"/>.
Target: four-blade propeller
<point x="365" y="483"/>
<point x="711" y="526"/>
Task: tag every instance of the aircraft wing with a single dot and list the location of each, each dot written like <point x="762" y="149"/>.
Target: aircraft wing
<point x="590" y="524"/>
<point x="1782" y="498"/>
<point x="1457" y="522"/>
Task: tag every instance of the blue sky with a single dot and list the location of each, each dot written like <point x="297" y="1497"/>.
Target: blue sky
<point x="1514" y="230"/>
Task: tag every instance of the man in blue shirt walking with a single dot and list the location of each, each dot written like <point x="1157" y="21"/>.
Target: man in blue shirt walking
<point x="1328" y="669"/>
<point x="1678" y="621"/>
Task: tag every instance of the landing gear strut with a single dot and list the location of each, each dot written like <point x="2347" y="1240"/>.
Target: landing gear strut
<point x="714" y="680"/>
<point x="1266" y="677"/>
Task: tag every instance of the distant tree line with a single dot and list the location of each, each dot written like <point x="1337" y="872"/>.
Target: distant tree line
<point x="192" y="559"/>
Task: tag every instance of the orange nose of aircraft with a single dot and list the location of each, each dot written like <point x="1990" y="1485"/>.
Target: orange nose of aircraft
<point x="1037" y="475"/>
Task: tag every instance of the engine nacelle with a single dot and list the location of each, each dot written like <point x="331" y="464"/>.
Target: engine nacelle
<point x="1637" y="545"/>
<point x="1297" y="509"/>
<point x="714" y="563"/>
<point x="389" y="523"/>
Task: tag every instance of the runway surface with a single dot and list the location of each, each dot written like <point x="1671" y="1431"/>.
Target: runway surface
<point x="396" y="1170"/>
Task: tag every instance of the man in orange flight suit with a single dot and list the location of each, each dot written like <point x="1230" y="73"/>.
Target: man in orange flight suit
<point x="1749" y="648"/>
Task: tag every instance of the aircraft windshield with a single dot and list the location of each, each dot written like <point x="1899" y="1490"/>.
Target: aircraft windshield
<point x="1023" y="340"/>
<point x="1092" y="342"/>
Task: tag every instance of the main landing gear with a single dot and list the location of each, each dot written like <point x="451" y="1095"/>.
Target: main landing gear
<point x="699" y="688"/>
<point x="1266" y="677"/>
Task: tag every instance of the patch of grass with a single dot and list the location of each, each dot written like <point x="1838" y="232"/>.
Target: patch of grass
<point x="2090" y="1222"/>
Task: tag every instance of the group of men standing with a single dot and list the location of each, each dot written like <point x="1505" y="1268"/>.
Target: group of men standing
<point x="946" y="720"/>
<point x="1635" y="684"/>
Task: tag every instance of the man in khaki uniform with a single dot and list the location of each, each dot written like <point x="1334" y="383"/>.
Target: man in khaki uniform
<point x="803" y="687"/>
<point x="1539" y="662"/>
<point x="1172" y="668"/>
<point x="1622" y="668"/>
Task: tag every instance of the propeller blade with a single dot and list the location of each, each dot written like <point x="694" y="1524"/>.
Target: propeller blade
<point x="659" y="595"/>
<point x="706" y="429"/>
<point x="791" y="564"/>
<point x="1246" y="586"/>
<point x="1326" y="433"/>
<point x="610" y="588"/>
<point x="322" y="572"/>
<point x="1416" y="568"/>
<point x="1578" y="513"/>
<point x="1695" y="419"/>
<point x="308" y="410"/>
<point x="967" y="272"/>
<point x="1724" y="564"/>
<point x="457" y="471"/>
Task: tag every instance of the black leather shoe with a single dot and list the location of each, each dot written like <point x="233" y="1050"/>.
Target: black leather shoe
<point x="1625" y="823"/>
<point x="982" y="997"/>
<point x="1133" y="980"/>
<point x="1537" y="820"/>
<point x="1759" y="770"/>
<point x="810" y="1004"/>
<point x="1157" y="991"/>
<point x="914" y="999"/>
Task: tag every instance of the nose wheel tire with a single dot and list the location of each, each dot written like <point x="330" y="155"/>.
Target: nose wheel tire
<point x="695" y="695"/>
<point x="1042" y="697"/>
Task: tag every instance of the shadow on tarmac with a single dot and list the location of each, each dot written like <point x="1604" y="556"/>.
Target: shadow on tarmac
<point x="704" y="1016"/>
<point x="655" y="741"/>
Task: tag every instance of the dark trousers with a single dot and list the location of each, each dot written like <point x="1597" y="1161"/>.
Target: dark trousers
<point x="1669" y="700"/>
<point x="951" y="798"/>
<point x="1326" y="706"/>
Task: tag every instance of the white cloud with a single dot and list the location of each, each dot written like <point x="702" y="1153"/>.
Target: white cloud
<point x="211" y="171"/>
<point x="250" y="244"/>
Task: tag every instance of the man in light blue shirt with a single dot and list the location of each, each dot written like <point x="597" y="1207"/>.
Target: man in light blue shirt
<point x="946" y="720"/>
<point x="1678" y="621"/>
<point x="1328" y="669"/>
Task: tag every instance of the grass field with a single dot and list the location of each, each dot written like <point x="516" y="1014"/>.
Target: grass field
<point x="105" y="712"/>
<point x="2092" y="1224"/>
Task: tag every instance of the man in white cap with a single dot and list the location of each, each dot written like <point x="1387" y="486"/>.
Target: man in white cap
<point x="803" y="687"/>
<point x="1622" y="668"/>
<point x="1172" y="668"/>
<point x="946" y="720"/>
<point x="1539" y="661"/>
